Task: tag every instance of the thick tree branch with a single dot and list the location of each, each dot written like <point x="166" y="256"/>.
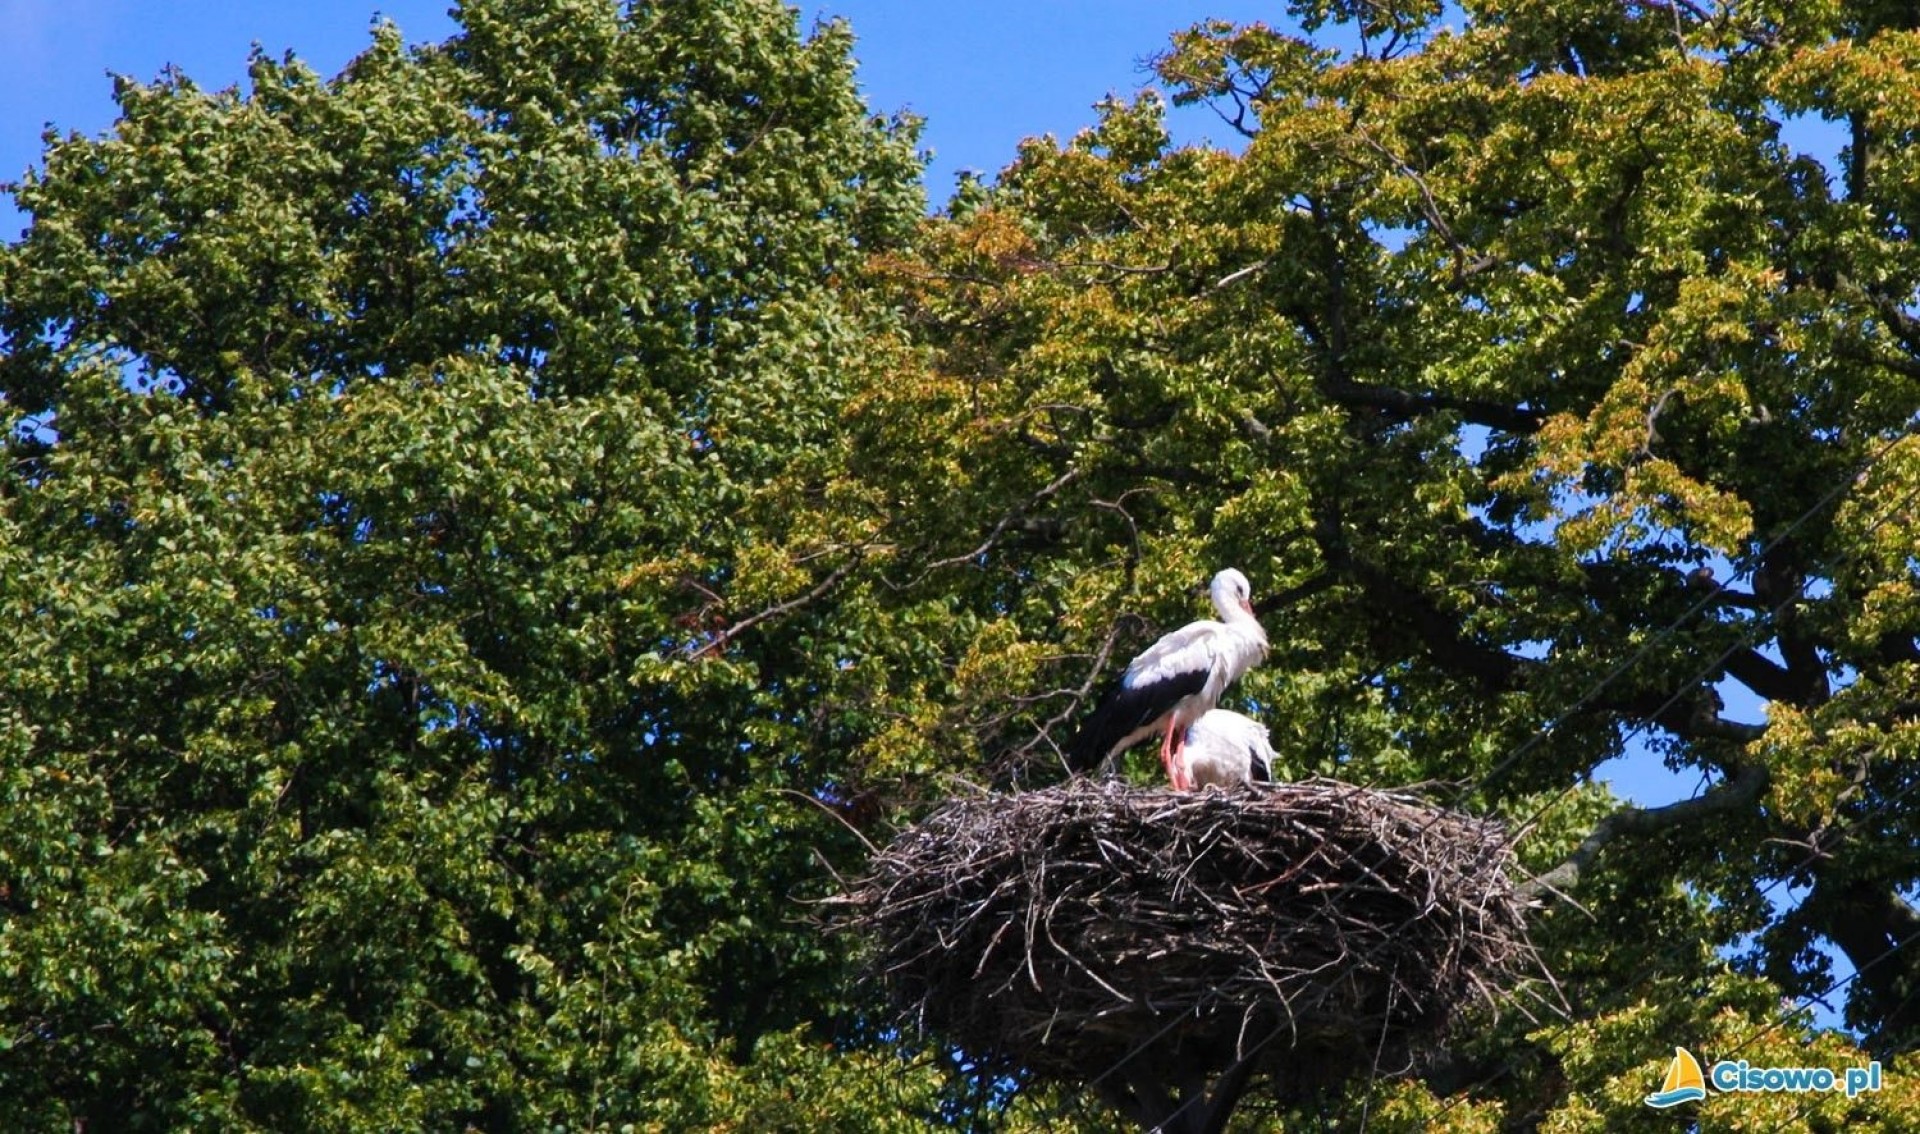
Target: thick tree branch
<point x="1894" y="318"/>
<point x="1861" y="352"/>
<point x="1401" y="604"/>
<point x="1893" y="648"/>
<point x="1493" y="669"/>
<point x="1330" y="332"/>
<point x="1739" y="790"/>
<point x="1407" y="404"/>
<point x="1763" y="675"/>
<point x="1295" y="593"/>
<point x="1879" y="931"/>
<point x="1193" y="1110"/>
<point x="1687" y="717"/>
<point x="1631" y="584"/>
<point x="1779" y="583"/>
<point x="1857" y="158"/>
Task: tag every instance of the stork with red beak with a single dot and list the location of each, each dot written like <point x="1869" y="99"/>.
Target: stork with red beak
<point x="1177" y="680"/>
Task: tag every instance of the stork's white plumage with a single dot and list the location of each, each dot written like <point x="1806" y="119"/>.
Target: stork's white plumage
<point x="1174" y="682"/>
<point x="1224" y="748"/>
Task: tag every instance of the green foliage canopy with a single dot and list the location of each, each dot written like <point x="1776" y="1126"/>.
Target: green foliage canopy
<point x="382" y="435"/>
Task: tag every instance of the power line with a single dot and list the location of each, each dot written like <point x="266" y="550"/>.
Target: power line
<point x="1623" y="996"/>
<point x="1813" y="855"/>
<point x="1807" y="1107"/>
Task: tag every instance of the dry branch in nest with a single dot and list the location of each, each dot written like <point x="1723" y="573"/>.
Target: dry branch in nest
<point x="1147" y="943"/>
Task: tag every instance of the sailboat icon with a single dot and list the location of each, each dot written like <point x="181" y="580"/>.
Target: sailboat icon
<point x="1683" y="1083"/>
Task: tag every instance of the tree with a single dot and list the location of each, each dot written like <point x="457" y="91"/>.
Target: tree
<point x="371" y="755"/>
<point x="1548" y="395"/>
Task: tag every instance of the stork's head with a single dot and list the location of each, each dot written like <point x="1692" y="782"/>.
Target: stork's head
<point x="1231" y="592"/>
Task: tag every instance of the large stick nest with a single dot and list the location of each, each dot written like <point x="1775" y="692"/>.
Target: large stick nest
<point x="1090" y="928"/>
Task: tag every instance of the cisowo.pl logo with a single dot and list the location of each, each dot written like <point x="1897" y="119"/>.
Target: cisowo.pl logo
<point x="1684" y="1083"/>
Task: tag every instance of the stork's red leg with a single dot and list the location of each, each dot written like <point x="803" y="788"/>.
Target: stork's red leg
<point x="1183" y="779"/>
<point x="1166" y="755"/>
<point x="1173" y="743"/>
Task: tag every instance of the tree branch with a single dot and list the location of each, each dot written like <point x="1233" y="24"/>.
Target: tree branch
<point x="1406" y="403"/>
<point x="719" y="641"/>
<point x="1493" y="669"/>
<point x="1741" y="789"/>
<point x="1878" y="930"/>
<point x="1466" y="262"/>
<point x="1014" y="518"/>
<point x="1235" y="276"/>
<point x="1683" y="716"/>
<point x="1857" y="158"/>
<point x="1763" y="675"/>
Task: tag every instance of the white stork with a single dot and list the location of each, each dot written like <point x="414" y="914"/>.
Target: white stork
<point x="1176" y="680"/>
<point x="1224" y="748"/>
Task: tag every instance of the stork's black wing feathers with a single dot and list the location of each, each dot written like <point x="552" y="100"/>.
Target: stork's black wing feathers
<point x="1125" y="709"/>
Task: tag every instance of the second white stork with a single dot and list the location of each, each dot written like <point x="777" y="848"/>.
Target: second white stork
<point x="1174" y="682"/>
<point x="1224" y="749"/>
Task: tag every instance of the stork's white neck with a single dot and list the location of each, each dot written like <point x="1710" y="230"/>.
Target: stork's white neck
<point x="1231" y="609"/>
<point x="1229" y="591"/>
